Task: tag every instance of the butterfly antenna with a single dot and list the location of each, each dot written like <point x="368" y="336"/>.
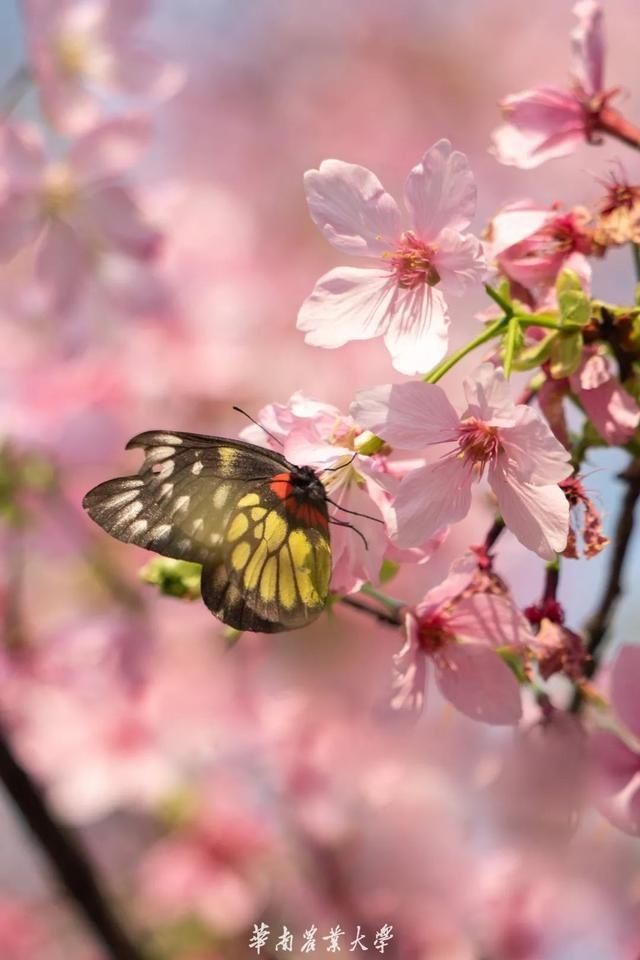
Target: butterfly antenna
<point x="258" y="424"/>
<point x="354" y="513"/>
<point x="342" y="465"/>
<point x="350" y="526"/>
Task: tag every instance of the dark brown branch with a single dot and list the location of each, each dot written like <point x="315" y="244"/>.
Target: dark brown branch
<point x="67" y="859"/>
<point x="383" y="616"/>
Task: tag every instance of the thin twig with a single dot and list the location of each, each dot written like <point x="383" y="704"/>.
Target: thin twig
<point x="67" y="858"/>
<point x="383" y="616"/>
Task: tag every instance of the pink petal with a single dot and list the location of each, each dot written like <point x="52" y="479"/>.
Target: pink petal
<point x="20" y="223"/>
<point x="476" y="680"/>
<point x="551" y="402"/>
<point x="614" y="412"/>
<point x="418" y="329"/>
<point x="534" y="454"/>
<point x="625" y="684"/>
<point x="109" y="149"/>
<point x="68" y="105"/>
<point x="21" y="156"/>
<point x="594" y="372"/>
<point x="488" y="396"/>
<point x="537" y="515"/>
<point x="460" y="575"/>
<point x="353" y="562"/>
<point x="490" y="618"/>
<point x="349" y="204"/>
<point x="588" y="43"/>
<point x="440" y="191"/>
<point x="408" y="415"/>
<point x="114" y="214"/>
<point x="347" y="303"/>
<point x="304" y="445"/>
<point x="616" y="763"/>
<point x="142" y="72"/>
<point x="542" y="124"/>
<point x="61" y="264"/>
<point x="515" y="223"/>
<point x="410" y="672"/>
<point x="431" y="498"/>
<point x="459" y="260"/>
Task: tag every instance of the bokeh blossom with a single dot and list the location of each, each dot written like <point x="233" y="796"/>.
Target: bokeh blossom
<point x="81" y="52"/>
<point x="616" y="751"/>
<point x="510" y="443"/>
<point x="400" y="297"/>
<point x="76" y="208"/>
<point x="458" y="630"/>
<point x="548" y="122"/>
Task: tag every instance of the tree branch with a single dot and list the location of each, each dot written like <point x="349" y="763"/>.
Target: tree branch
<point x="67" y="858"/>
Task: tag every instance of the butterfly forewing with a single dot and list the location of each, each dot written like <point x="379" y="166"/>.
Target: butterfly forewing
<point x="266" y="556"/>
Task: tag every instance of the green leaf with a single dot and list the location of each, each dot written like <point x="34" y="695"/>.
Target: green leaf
<point x="174" y="578"/>
<point x="566" y="354"/>
<point x="388" y="570"/>
<point x="575" y="305"/>
<point x="528" y="358"/>
<point x="513" y="342"/>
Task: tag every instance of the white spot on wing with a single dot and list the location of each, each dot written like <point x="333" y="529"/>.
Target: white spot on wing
<point x="165" y="490"/>
<point x="196" y="467"/>
<point x="180" y="503"/>
<point x="138" y="527"/>
<point x="166" y="469"/>
<point x="220" y="495"/>
<point x="169" y="438"/>
<point x="161" y="532"/>
<point x="198" y="524"/>
<point x="120" y="499"/>
<point x="155" y="454"/>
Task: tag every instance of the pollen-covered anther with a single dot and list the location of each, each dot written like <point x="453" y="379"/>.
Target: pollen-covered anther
<point x="412" y="262"/>
<point x="479" y="443"/>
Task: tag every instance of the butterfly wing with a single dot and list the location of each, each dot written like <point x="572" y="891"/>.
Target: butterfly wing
<point x="209" y="501"/>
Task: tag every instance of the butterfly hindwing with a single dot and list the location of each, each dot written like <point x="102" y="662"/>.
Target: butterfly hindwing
<point x="266" y="556"/>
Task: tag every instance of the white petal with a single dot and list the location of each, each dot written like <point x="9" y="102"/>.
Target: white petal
<point x="347" y="303"/>
<point x="352" y="209"/>
<point x="408" y="415"/>
<point x="440" y="191"/>
<point x="537" y="515"/>
<point x="431" y="498"/>
<point x="418" y="332"/>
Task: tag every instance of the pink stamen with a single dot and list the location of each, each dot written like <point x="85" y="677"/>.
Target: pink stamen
<point x="433" y="634"/>
<point x="478" y="442"/>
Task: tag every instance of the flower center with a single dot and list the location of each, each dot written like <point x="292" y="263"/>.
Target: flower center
<point x="412" y="262"/>
<point x="58" y="191"/>
<point x="72" y="53"/>
<point x="478" y="442"/>
<point x="433" y="634"/>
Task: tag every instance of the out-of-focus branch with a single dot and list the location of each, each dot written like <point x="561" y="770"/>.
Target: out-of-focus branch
<point x="67" y="858"/>
<point x="598" y="626"/>
<point x="383" y="616"/>
<point x="13" y="90"/>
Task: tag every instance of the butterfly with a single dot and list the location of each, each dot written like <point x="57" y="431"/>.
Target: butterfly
<point x="257" y="524"/>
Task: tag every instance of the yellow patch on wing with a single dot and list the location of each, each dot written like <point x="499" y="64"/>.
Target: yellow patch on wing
<point x="287" y="594"/>
<point x="257" y="513"/>
<point x="228" y="457"/>
<point x="275" y="530"/>
<point x="269" y="580"/>
<point x="312" y="566"/>
<point x="249" y="500"/>
<point x="238" y="526"/>
<point x="254" y="566"/>
<point x="258" y="531"/>
<point x="240" y="555"/>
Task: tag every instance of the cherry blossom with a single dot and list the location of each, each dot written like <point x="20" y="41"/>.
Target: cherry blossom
<point x="79" y="50"/>
<point x="76" y="208"/>
<point x="400" y="297"/>
<point x="617" y="758"/>
<point x="610" y="408"/>
<point x="510" y="443"/>
<point x="531" y="245"/>
<point x="458" y="631"/>
<point x="317" y="434"/>
<point x="548" y="122"/>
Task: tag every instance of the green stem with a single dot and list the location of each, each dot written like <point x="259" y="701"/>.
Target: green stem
<point x="504" y="305"/>
<point x="490" y="333"/>
<point x="386" y="601"/>
<point x="511" y="338"/>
